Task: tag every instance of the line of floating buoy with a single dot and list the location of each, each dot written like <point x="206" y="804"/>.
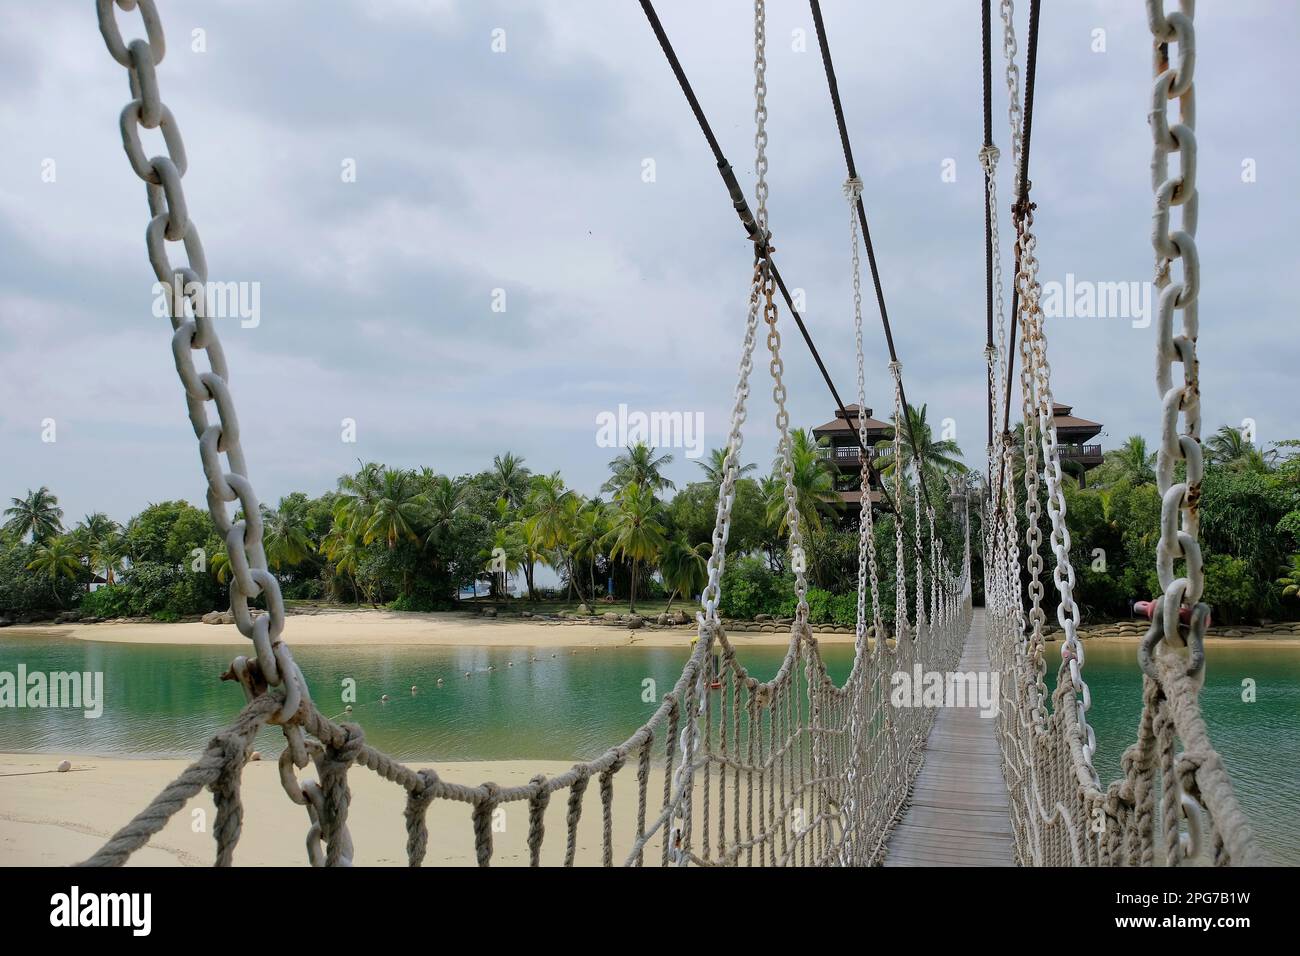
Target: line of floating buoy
<point x="439" y="682"/>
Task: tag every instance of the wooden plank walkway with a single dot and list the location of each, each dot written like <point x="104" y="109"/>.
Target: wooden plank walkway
<point x="958" y="814"/>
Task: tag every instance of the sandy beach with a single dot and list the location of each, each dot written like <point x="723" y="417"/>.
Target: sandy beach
<point x="49" y="818"/>
<point x="406" y="628"/>
<point x="383" y="628"/>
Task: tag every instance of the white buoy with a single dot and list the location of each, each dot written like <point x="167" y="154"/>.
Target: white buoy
<point x="439" y="681"/>
<point x="467" y="674"/>
<point x="492" y="667"/>
<point x="553" y="656"/>
<point x="383" y="699"/>
<point x="510" y="663"/>
<point x="413" y="688"/>
<point x="255" y="755"/>
<point x="65" y="766"/>
<point x="347" y="709"/>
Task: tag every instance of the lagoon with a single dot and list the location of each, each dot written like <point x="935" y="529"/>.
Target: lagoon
<point x="567" y="704"/>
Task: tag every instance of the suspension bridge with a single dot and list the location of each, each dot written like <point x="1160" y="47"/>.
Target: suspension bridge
<point x="797" y="769"/>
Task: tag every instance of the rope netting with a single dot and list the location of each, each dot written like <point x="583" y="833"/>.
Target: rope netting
<point x="1170" y="806"/>
<point x="729" y="770"/>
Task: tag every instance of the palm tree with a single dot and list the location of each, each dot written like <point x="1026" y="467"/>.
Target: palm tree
<point x="508" y="479"/>
<point x="37" y="514"/>
<point x="814" y="484"/>
<point x="685" y="569"/>
<point x="55" y="561"/>
<point x="715" y="466"/>
<point x="586" y="538"/>
<point x="942" y="458"/>
<point x="635" y="532"/>
<point x="1132" y="461"/>
<point x="342" y="545"/>
<point x="108" y="554"/>
<point x="284" y="536"/>
<point x="219" y="565"/>
<point x="1227" y="445"/>
<point x="446" y="500"/>
<point x="357" y="495"/>
<point x="551" y="512"/>
<point x="503" y="557"/>
<point x="396" y="509"/>
<point x="638" y="466"/>
<point x="547" y="503"/>
<point x="100" y="538"/>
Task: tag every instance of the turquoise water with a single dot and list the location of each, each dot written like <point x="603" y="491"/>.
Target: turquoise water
<point x="166" y="702"/>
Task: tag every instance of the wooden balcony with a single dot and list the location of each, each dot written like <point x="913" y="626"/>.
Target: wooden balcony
<point x="849" y="454"/>
<point x="1086" y="455"/>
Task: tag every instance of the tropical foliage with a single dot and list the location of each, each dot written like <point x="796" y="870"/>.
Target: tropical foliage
<point x="417" y="540"/>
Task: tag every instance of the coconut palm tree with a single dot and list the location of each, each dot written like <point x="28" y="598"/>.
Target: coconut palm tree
<point x="684" y="568"/>
<point x="36" y="514"/>
<point x="446" y="499"/>
<point x="715" y="466"/>
<point x="508" y="479"/>
<point x="814" y="484"/>
<point x="638" y="465"/>
<point x="942" y="458"/>
<point x="284" y="537"/>
<point x="342" y="546"/>
<point x="635" y="532"/>
<point x="396" y="509"/>
<point x="1132" y="461"/>
<point x="1227" y="445"/>
<point x="357" y="495"/>
<point x="586" y="537"/>
<point x="547" y="504"/>
<point x="504" y="557"/>
<point x="100" y="539"/>
<point x="56" y="561"/>
<point x="108" y="555"/>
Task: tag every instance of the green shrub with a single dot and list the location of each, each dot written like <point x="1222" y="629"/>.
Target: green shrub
<point x="112" y="600"/>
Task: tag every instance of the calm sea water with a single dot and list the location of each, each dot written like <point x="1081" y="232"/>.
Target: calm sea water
<point x="167" y="701"/>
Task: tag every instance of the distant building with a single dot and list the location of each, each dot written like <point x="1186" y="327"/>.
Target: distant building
<point x="841" y="433"/>
<point x="1072" y="435"/>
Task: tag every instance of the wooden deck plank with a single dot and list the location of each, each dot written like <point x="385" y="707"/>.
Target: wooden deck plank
<point x="958" y="814"/>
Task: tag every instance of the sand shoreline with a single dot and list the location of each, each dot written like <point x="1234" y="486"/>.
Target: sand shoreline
<point x="382" y="628"/>
<point x="404" y="628"/>
<point x="49" y="818"/>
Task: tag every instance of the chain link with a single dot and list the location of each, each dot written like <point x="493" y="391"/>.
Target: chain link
<point x="867" y="566"/>
<point x="194" y="331"/>
<point x="1180" y="501"/>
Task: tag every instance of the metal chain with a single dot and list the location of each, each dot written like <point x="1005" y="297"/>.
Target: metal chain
<point x="760" y="118"/>
<point x="1007" y="10"/>
<point x="1033" y="530"/>
<point x="900" y="562"/>
<point x="1067" y="612"/>
<point x="727" y="489"/>
<point x="996" y="358"/>
<point x="867" y="567"/>
<point x="784" y="450"/>
<point x="1179" y="512"/>
<point x="171" y="222"/>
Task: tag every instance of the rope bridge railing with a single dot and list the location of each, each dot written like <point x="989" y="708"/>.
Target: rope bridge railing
<point x="730" y="770"/>
<point x="1170" y="806"/>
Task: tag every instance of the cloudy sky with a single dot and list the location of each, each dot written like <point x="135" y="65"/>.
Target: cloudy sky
<point x="522" y="171"/>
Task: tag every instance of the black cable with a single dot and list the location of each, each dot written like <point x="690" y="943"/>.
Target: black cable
<point x="1021" y="207"/>
<point x="988" y="222"/>
<point x="833" y="84"/>
<point x="751" y="228"/>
